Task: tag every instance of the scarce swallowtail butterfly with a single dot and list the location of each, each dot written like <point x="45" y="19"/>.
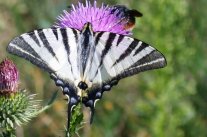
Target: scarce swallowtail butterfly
<point x="83" y="62"/>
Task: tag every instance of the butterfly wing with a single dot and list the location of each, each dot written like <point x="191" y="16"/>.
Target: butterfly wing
<point x="54" y="50"/>
<point x="114" y="57"/>
<point x="117" y="57"/>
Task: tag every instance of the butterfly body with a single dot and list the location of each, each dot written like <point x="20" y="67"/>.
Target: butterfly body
<point x="85" y="63"/>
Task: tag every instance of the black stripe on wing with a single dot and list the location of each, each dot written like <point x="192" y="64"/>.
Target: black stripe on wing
<point x="152" y="60"/>
<point x="98" y="37"/>
<point x="33" y="36"/>
<point x="75" y="34"/>
<point x="21" y="43"/>
<point x="54" y="30"/>
<point x="108" y="45"/>
<point x="65" y="42"/>
<point x="46" y="43"/>
<point x="143" y="46"/>
<point x="121" y="37"/>
<point x="20" y="47"/>
<point x="127" y="52"/>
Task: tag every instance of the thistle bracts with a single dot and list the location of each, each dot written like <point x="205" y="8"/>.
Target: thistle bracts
<point x="17" y="109"/>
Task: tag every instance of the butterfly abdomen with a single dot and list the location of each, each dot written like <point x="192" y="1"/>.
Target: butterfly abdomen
<point x="85" y="47"/>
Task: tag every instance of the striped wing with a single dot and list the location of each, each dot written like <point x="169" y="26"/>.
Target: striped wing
<point x="111" y="57"/>
<point x="129" y="56"/>
<point x="52" y="49"/>
<point x="118" y="56"/>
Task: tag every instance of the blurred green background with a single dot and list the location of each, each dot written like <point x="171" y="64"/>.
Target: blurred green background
<point x="170" y="102"/>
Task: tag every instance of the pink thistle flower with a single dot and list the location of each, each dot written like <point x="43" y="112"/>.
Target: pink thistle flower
<point x="9" y="77"/>
<point x="103" y="18"/>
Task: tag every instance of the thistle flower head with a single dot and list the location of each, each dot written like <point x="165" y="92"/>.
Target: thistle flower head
<point x="17" y="109"/>
<point x="9" y="77"/>
<point x="103" y="18"/>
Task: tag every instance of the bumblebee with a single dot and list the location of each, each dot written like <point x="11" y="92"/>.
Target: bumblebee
<point x="128" y="17"/>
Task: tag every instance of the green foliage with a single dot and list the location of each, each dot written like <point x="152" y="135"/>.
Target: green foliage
<point x="76" y="121"/>
<point x="169" y="102"/>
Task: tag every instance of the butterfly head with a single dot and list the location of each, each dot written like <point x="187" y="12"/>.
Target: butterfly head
<point x="87" y="28"/>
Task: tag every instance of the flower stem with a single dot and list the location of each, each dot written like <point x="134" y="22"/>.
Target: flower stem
<point x="75" y="121"/>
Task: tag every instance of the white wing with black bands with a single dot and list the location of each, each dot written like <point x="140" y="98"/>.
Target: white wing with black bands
<point x="119" y="57"/>
<point x="54" y="50"/>
<point x="76" y="58"/>
<point x="129" y="56"/>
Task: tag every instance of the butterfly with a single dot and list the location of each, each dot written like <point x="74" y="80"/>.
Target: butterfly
<point x="85" y="63"/>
